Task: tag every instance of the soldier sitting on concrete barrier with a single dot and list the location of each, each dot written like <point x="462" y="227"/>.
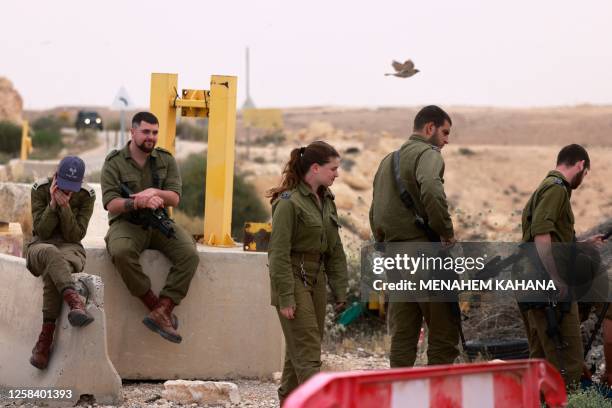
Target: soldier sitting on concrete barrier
<point x="152" y="175"/>
<point x="61" y="208"/>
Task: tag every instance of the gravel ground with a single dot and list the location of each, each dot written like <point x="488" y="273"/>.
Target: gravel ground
<point x="253" y="393"/>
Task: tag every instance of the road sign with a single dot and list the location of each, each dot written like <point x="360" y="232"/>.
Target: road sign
<point x="122" y="101"/>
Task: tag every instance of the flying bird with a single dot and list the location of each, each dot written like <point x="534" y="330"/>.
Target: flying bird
<point x="405" y="70"/>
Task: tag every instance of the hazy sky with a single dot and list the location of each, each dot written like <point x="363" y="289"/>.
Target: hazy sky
<point x="470" y="52"/>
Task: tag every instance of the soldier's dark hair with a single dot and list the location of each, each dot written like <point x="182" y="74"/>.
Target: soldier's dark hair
<point x="144" y="117"/>
<point x="431" y="113"/>
<point x="572" y="154"/>
<point x="299" y="163"/>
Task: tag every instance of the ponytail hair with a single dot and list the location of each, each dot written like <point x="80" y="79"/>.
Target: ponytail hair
<point x="299" y="163"/>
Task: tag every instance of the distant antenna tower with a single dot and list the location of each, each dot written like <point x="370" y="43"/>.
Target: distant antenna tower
<point x="248" y="103"/>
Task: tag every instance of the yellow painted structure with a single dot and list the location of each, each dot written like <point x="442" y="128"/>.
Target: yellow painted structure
<point x="376" y="301"/>
<point x="26" y="141"/>
<point x="163" y="95"/>
<point x="219" y="105"/>
<point x="257" y="236"/>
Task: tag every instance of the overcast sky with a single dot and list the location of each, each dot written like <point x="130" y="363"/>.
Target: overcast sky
<point x="470" y="52"/>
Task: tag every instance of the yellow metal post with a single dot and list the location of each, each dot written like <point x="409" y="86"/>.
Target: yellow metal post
<point x="26" y="141"/>
<point x="220" y="161"/>
<point x="163" y="95"/>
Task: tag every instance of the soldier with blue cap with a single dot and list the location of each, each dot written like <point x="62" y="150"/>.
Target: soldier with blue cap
<point x="61" y="208"/>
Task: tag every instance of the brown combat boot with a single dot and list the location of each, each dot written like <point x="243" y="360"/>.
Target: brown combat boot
<point x="42" y="348"/>
<point x="160" y="320"/>
<point x="151" y="301"/>
<point x="77" y="316"/>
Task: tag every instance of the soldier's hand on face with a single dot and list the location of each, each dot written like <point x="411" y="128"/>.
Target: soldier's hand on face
<point x="339" y="307"/>
<point x="154" y="203"/>
<point x="288" y="312"/>
<point x="52" y="190"/>
<point x="62" y="199"/>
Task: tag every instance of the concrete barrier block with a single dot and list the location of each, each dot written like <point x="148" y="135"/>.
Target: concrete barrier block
<point x="15" y="204"/>
<point x="11" y="239"/>
<point x="79" y="360"/>
<point x="229" y="328"/>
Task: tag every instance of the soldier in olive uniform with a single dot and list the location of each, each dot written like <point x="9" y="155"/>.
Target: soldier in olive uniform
<point x="305" y="253"/>
<point x="548" y="218"/>
<point x="151" y="173"/>
<point x="422" y="170"/>
<point x="61" y="208"/>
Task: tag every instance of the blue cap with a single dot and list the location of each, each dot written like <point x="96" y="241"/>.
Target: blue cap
<point x="70" y="173"/>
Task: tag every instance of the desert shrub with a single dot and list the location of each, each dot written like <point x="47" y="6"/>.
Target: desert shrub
<point x="48" y="123"/>
<point x="46" y="138"/>
<point x="246" y="206"/>
<point x="589" y="398"/>
<point x="275" y="137"/>
<point x="10" y="138"/>
<point x="466" y="151"/>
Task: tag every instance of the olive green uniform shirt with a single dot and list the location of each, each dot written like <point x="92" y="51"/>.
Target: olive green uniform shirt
<point x="61" y="224"/>
<point x="549" y="210"/>
<point x="119" y="168"/>
<point x="422" y="170"/>
<point x="299" y="225"/>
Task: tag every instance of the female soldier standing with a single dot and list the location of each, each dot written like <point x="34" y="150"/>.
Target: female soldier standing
<point x="305" y="252"/>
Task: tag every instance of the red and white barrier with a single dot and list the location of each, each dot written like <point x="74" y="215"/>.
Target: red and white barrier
<point x="484" y="385"/>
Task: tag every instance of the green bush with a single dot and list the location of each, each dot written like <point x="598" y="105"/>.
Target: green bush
<point x="246" y="205"/>
<point x="10" y="138"/>
<point x="48" y="123"/>
<point x="589" y="398"/>
<point x="46" y="138"/>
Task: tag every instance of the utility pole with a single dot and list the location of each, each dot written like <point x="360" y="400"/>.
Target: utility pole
<point x="248" y="103"/>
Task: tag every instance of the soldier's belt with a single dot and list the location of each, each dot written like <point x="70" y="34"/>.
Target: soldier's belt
<point x="316" y="257"/>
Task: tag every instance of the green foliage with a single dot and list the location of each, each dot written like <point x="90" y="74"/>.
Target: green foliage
<point x="587" y="399"/>
<point x="246" y="205"/>
<point x="188" y="129"/>
<point x="46" y="138"/>
<point x="10" y="138"/>
<point x="50" y="123"/>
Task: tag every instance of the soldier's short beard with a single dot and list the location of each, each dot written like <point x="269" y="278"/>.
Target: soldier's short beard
<point x="436" y="139"/>
<point x="577" y="180"/>
<point x="145" y="149"/>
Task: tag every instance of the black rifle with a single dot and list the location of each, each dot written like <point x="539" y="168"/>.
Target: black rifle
<point x="496" y="265"/>
<point x="553" y="330"/>
<point x="147" y="217"/>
